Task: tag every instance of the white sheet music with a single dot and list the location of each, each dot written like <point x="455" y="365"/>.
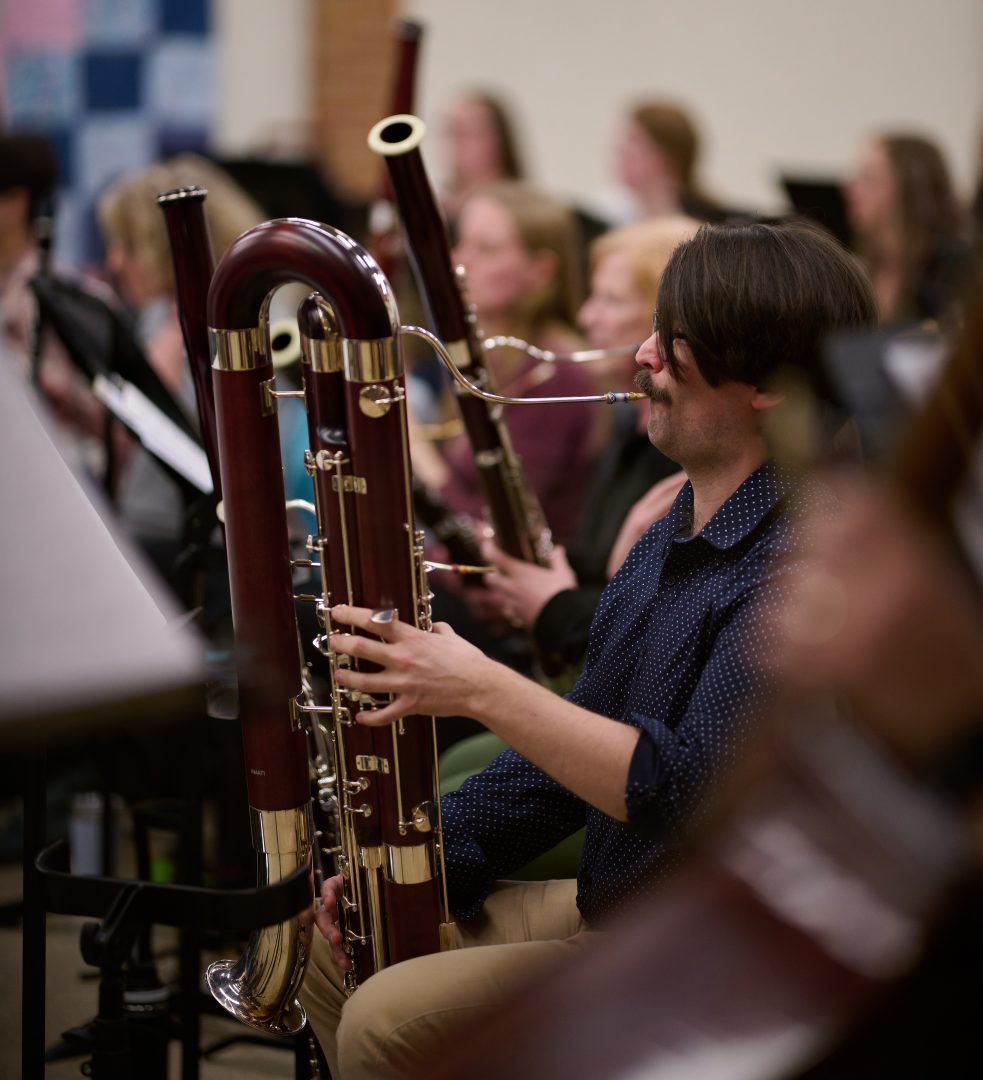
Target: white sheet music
<point x="915" y="365"/>
<point x="156" y="431"/>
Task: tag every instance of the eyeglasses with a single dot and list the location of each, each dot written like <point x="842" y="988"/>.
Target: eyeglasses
<point x="657" y="330"/>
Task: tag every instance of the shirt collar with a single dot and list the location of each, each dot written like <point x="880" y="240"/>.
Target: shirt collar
<point x="739" y="516"/>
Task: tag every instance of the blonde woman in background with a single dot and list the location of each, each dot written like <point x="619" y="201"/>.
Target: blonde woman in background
<point x="138" y="255"/>
<point x="138" y="261"/>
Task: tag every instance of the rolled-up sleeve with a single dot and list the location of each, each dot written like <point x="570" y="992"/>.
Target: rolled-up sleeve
<point x="672" y="767"/>
<point x="497" y="821"/>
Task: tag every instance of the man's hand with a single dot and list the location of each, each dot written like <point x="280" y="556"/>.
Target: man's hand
<point x="444" y="675"/>
<point x="69" y="397"/>
<point x="520" y="590"/>
<point x="432" y="674"/>
<point x="327" y="920"/>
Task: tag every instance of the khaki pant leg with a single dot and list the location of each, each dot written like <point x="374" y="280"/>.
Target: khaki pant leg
<point x="524" y="911"/>
<point x="399" y="1015"/>
<point x="323" y="996"/>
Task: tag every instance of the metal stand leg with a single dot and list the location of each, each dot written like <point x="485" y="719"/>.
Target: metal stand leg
<point x="34" y="945"/>
<point x="190" y="940"/>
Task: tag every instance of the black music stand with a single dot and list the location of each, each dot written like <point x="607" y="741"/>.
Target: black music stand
<point x="79" y="661"/>
<point x="820" y="199"/>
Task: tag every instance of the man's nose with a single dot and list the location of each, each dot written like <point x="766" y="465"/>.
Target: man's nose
<point x="648" y="354"/>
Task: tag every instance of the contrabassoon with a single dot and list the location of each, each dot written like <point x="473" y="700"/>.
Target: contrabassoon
<point x="395" y="904"/>
<point x="370" y="554"/>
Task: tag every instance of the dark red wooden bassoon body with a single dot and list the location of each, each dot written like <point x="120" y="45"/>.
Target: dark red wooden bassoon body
<point x="194" y="264"/>
<point x="383" y="238"/>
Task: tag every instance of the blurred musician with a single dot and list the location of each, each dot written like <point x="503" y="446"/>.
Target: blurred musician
<point x="480" y="148"/>
<point x="671" y="686"/>
<point x="655" y="160"/>
<point x="519" y="247"/>
<point x="28" y="174"/>
<point x="908" y="226"/>
<point x="138" y="261"/>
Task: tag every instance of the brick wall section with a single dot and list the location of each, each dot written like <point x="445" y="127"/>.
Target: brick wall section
<point x="354" y="56"/>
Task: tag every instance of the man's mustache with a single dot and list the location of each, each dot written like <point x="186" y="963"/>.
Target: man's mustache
<point x="643" y="382"/>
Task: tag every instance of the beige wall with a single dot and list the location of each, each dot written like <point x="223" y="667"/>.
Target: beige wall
<point x="776" y="84"/>
<point x="263" y="72"/>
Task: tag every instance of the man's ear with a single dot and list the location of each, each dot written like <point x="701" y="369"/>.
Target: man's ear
<point x="764" y="399"/>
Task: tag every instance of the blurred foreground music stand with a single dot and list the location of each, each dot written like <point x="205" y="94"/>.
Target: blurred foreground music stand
<point x="85" y="660"/>
<point x="101" y="345"/>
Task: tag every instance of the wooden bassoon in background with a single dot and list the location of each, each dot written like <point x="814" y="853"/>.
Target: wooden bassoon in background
<point x="520" y="526"/>
<point x="384" y="240"/>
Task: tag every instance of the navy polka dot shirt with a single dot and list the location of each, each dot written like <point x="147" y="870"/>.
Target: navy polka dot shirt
<point x="673" y="650"/>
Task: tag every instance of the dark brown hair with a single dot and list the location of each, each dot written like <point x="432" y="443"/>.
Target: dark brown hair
<point x="27" y="160"/>
<point x="509" y="157"/>
<point x="927" y="203"/>
<point x="929" y="214"/>
<point x="751" y="298"/>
